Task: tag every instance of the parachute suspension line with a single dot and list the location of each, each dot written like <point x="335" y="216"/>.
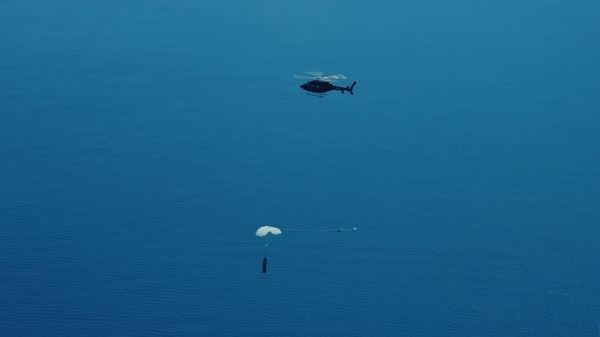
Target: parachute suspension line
<point x="264" y="260"/>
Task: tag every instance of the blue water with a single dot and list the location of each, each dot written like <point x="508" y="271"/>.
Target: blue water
<point x="143" y="142"/>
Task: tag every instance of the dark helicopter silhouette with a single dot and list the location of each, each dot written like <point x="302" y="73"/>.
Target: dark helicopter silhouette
<point x="321" y="84"/>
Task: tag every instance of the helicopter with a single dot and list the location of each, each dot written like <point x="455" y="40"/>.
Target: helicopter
<point x="320" y="84"/>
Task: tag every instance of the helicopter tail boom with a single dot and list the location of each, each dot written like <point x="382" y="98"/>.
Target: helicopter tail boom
<point x="348" y="88"/>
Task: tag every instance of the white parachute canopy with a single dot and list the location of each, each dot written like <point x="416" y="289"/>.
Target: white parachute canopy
<point x="265" y="230"/>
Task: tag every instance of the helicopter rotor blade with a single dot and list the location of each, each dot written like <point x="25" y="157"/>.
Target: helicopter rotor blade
<point x="334" y="77"/>
<point x="317" y="75"/>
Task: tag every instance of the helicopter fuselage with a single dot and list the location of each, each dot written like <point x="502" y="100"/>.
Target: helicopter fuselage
<point x="319" y="87"/>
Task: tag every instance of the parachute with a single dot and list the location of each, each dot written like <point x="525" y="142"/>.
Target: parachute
<point x="266" y="230"/>
<point x="261" y="233"/>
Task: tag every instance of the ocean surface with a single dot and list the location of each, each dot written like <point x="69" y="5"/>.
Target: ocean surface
<point x="143" y="142"/>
